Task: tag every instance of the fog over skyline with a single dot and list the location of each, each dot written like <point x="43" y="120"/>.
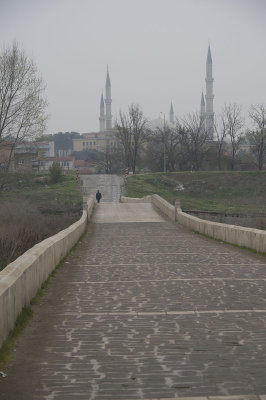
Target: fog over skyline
<point x="155" y="49"/>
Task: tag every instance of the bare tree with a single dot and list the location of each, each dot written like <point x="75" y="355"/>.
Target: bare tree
<point x="220" y="129"/>
<point x="165" y="142"/>
<point x="124" y="134"/>
<point x="171" y="148"/>
<point x="234" y="124"/>
<point x="193" y="139"/>
<point x="22" y="106"/>
<point x="132" y="131"/>
<point x="112" y="162"/>
<point x="257" y="138"/>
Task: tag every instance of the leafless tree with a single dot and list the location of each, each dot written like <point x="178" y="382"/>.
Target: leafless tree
<point x="193" y="139"/>
<point x="165" y="142"/>
<point x="132" y="131"/>
<point x="172" y="148"/>
<point x="124" y="135"/>
<point x="257" y="137"/>
<point x="22" y="106"/>
<point x="220" y="129"/>
<point x="112" y="162"/>
<point x="234" y="123"/>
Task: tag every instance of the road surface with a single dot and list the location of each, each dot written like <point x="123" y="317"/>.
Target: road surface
<point x="109" y="186"/>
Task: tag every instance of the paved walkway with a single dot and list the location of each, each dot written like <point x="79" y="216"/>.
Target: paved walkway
<point x="146" y="311"/>
<point x="109" y="186"/>
<point x="125" y="212"/>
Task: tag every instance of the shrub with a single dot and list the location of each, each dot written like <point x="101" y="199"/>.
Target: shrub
<point x="23" y="225"/>
<point x="56" y="173"/>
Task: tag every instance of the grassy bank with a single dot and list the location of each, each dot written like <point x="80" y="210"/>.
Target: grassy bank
<point x="32" y="209"/>
<point x="225" y="192"/>
<point x="39" y="191"/>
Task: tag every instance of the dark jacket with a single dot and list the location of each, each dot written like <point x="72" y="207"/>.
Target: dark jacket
<point x="98" y="196"/>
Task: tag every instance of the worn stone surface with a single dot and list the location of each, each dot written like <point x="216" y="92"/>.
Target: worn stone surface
<point x="118" y="212"/>
<point x="109" y="186"/>
<point x="146" y="311"/>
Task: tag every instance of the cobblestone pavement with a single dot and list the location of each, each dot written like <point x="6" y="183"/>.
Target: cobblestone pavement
<point x="146" y="311"/>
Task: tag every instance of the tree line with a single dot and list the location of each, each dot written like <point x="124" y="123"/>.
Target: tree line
<point x="185" y="145"/>
<point x="188" y="144"/>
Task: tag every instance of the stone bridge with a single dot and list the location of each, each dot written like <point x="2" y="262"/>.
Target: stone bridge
<point x="145" y="309"/>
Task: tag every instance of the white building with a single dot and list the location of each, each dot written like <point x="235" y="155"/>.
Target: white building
<point x="66" y="163"/>
<point x="45" y="149"/>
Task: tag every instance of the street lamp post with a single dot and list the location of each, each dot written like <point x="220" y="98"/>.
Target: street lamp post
<point x="164" y="157"/>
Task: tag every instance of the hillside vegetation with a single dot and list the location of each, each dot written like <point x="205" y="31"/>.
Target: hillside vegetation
<point x="32" y="209"/>
<point x="224" y="192"/>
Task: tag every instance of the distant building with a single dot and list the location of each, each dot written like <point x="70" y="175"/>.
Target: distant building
<point x="39" y="148"/>
<point x="6" y="152"/>
<point x="63" y="152"/>
<point x="161" y="122"/>
<point x="23" y="156"/>
<point x="105" y="118"/>
<point x="100" y="141"/>
<point x="84" y="167"/>
<point x="105" y="139"/>
<point x="206" y="104"/>
<point x="172" y="115"/>
<point x="26" y="155"/>
<point x="44" y="163"/>
<point x="24" y="162"/>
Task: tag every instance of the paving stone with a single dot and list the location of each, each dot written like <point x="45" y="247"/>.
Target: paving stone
<point x="146" y="311"/>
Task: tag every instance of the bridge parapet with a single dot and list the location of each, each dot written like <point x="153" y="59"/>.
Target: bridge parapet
<point x="21" y="279"/>
<point x="250" y="238"/>
<point x="163" y="205"/>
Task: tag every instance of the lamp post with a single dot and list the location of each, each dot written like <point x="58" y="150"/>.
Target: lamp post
<point x="164" y="158"/>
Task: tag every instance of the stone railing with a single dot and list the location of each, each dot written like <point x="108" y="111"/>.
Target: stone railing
<point x="164" y="206"/>
<point x="146" y="199"/>
<point x="250" y="238"/>
<point x="244" y="237"/>
<point x="20" y="280"/>
<point x="157" y="201"/>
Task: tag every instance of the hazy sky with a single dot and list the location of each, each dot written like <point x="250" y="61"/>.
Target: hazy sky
<point x="156" y="51"/>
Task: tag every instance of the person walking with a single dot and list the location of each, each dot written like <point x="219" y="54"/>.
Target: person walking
<point x="98" y="196"/>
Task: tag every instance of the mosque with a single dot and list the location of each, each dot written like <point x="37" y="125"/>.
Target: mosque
<point x="106" y="139"/>
<point x="206" y="104"/>
<point x="206" y="108"/>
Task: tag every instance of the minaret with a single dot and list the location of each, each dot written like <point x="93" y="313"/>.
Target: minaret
<point x="108" y="102"/>
<point x="202" y="107"/>
<point x="209" y="95"/>
<point x="102" y="117"/>
<point x="172" y="115"/>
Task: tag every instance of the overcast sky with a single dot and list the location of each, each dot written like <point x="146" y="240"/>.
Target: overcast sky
<point x="156" y="51"/>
